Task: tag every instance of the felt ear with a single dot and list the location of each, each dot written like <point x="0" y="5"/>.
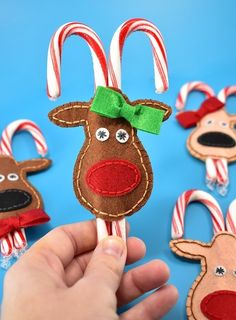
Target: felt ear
<point x="71" y="114"/>
<point x="190" y="249"/>
<point x="157" y="105"/>
<point x="34" y="165"/>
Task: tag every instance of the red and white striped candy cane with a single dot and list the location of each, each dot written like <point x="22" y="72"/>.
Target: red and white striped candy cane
<point x="18" y="239"/>
<point x="115" y="228"/>
<point x="177" y="227"/>
<point x="231" y="218"/>
<point x="217" y="174"/>
<point x="158" y="48"/>
<point x="6" y="245"/>
<point x="55" y="53"/>
<point x="189" y="87"/>
<point x="226" y="92"/>
<point x="22" y="125"/>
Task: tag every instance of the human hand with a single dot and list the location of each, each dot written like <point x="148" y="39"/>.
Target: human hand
<point x="65" y="276"/>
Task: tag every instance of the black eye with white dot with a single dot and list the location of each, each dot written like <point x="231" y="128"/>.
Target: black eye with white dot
<point x="12" y="177"/>
<point x="220" y="271"/>
<point x="209" y="122"/>
<point x="102" y="134"/>
<point x="2" y="178"/>
<point x="122" y="136"/>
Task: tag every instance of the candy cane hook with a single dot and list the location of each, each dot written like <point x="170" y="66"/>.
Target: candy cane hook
<point x="177" y="226"/>
<point x="158" y="48"/>
<point x="22" y="125"/>
<point x="189" y="87"/>
<point x="231" y="218"/>
<point x="226" y="92"/>
<point x="55" y="53"/>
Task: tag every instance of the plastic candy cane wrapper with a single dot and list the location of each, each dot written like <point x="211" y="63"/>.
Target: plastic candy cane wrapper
<point x="213" y="140"/>
<point x="21" y="205"/>
<point x="212" y="295"/>
<point x="112" y="175"/>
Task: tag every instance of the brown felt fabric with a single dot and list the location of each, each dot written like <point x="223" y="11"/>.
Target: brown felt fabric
<point x="94" y="151"/>
<point x="220" y="252"/>
<point x="202" y="152"/>
<point x="9" y="165"/>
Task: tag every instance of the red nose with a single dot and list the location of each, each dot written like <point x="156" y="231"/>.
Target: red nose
<point x="113" y="178"/>
<point x="220" y="305"/>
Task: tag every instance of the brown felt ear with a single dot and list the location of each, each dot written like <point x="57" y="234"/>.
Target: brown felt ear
<point x="157" y="105"/>
<point x="34" y="165"/>
<point x="190" y="249"/>
<point x="71" y="114"/>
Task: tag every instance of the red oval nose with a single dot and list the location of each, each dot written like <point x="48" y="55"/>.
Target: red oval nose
<point x="113" y="178"/>
<point x="219" y="305"/>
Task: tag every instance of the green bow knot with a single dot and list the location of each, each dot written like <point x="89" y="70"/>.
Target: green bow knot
<point x="111" y="104"/>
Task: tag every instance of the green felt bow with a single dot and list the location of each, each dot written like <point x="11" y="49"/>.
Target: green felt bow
<point x="111" y="104"/>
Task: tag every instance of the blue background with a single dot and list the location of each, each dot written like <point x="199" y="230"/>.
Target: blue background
<point x="200" y="41"/>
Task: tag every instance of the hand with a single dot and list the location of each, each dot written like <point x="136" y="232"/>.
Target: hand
<point x="65" y="276"/>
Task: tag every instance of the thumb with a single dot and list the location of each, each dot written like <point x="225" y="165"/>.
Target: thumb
<point x="107" y="264"/>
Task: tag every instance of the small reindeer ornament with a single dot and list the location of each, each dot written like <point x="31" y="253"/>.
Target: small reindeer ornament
<point x="112" y="174"/>
<point x="214" y="138"/>
<point x="213" y="294"/>
<point x="21" y="205"/>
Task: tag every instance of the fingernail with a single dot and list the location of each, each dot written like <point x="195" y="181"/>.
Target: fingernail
<point x="113" y="246"/>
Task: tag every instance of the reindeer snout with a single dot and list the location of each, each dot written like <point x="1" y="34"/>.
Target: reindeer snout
<point x="13" y="199"/>
<point x="220" y="305"/>
<point x="216" y="139"/>
<point x="113" y="178"/>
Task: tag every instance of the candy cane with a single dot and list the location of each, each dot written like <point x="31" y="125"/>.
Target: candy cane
<point x="226" y="92"/>
<point x="217" y="173"/>
<point x="115" y="228"/>
<point x="22" y="125"/>
<point x="55" y="53"/>
<point x="6" y="246"/>
<point x="177" y="227"/>
<point x="158" y="48"/>
<point x="231" y="218"/>
<point x="19" y="239"/>
<point x="192" y="86"/>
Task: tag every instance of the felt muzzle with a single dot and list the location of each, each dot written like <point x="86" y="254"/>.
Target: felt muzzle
<point x="111" y="104"/>
<point x="188" y="119"/>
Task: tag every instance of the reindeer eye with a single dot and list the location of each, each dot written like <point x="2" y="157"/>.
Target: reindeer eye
<point x="224" y="124"/>
<point x="102" y="134"/>
<point x="220" y="271"/>
<point x="122" y="136"/>
<point x="2" y="177"/>
<point x="209" y="122"/>
<point x="12" y="177"/>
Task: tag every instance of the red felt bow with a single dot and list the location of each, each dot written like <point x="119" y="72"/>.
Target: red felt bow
<point x="188" y="119"/>
<point x="26" y="219"/>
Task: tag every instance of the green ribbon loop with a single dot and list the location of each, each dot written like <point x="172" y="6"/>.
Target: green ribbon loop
<point x="111" y="104"/>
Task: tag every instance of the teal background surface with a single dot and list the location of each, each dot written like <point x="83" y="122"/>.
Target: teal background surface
<point x="200" y="42"/>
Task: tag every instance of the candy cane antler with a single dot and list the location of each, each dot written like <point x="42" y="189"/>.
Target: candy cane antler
<point x="226" y="92"/>
<point x="189" y="87"/>
<point x="177" y="227"/>
<point x="22" y="125"/>
<point x="231" y="218"/>
<point x="158" y="47"/>
<point x="55" y="53"/>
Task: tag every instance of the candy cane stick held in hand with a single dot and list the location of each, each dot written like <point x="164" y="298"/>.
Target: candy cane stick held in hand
<point x="177" y="227"/>
<point x="158" y="47"/>
<point x="55" y="53"/>
<point x="16" y="240"/>
<point x="189" y="87"/>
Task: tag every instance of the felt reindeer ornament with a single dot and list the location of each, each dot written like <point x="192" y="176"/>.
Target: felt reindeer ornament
<point x="21" y="205"/>
<point x="213" y="293"/>
<point x="112" y="174"/>
<point x="214" y="138"/>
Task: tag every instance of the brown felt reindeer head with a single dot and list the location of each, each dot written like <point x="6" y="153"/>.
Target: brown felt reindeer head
<point x="112" y="174"/>
<point x="213" y="140"/>
<point x="21" y="205"/>
<point x="213" y="294"/>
